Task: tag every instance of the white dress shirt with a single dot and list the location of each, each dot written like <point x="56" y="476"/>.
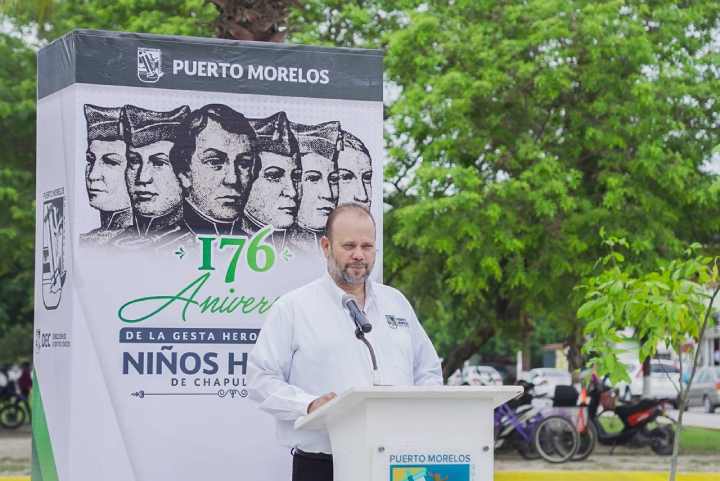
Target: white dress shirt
<point x="308" y="348"/>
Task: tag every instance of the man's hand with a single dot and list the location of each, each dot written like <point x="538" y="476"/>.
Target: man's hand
<point x="324" y="399"/>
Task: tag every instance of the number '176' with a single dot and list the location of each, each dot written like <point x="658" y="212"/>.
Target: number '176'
<point x="259" y="255"/>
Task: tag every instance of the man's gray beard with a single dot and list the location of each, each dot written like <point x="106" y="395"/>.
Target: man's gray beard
<point x="353" y="280"/>
<point x="347" y="278"/>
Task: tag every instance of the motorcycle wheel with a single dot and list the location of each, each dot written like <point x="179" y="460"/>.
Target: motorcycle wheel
<point x="586" y="442"/>
<point x="663" y="439"/>
<point x="11" y="416"/>
<point x="556" y="439"/>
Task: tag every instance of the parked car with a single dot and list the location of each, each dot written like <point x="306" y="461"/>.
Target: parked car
<point x="664" y="381"/>
<point x="546" y="378"/>
<point x="471" y="375"/>
<point x="705" y="389"/>
<point x="482" y="376"/>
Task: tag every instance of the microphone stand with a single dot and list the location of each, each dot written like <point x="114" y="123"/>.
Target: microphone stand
<point x="376" y="373"/>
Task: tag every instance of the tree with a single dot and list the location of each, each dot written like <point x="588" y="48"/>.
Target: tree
<point x="17" y="215"/>
<point x="523" y="126"/>
<point x="50" y="19"/>
<point x="513" y="129"/>
<point x="667" y="306"/>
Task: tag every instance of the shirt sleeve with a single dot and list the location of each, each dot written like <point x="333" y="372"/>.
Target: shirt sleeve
<point x="426" y="363"/>
<point x="269" y="366"/>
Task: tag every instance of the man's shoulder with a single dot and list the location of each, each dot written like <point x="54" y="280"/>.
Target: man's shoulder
<point x="302" y="294"/>
<point x="389" y="292"/>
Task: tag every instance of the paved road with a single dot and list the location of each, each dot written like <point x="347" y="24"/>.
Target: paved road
<point x="696" y="417"/>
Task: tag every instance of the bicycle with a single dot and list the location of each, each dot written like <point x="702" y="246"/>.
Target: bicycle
<point x="533" y="432"/>
<point x="14" y="410"/>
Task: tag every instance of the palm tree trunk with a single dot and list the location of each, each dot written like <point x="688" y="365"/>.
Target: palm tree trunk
<point x="257" y="20"/>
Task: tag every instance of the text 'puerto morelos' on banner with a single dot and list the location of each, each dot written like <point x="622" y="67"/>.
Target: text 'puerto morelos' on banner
<point x="183" y="186"/>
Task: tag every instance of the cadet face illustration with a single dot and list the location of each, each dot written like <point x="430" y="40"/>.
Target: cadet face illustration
<point x="215" y="161"/>
<point x="219" y="172"/>
<point x="354" y="177"/>
<point x="319" y="191"/>
<point x="274" y="196"/>
<point x="154" y="189"/>
<point x="105" y="175"/>
<point x="319" y="188"/>
<point x="153" y="186"/>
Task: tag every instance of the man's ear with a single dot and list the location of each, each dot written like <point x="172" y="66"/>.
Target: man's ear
<point x="184" y="179"/>
<point x="325" y="245"/>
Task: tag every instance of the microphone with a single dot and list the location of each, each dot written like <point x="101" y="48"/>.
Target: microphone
<point x="358" y="317"/>
<point x="362" y="327"/>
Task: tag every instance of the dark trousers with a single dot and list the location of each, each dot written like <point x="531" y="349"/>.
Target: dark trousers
<point x="311" y="466"/>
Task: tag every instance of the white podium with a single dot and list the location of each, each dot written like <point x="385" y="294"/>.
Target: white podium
<point x="415" y="433"/>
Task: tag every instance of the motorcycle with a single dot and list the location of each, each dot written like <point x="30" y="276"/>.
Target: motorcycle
<point x="636" y="419"/>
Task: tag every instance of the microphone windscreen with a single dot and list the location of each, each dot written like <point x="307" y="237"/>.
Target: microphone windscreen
<point x="347" y="299"/>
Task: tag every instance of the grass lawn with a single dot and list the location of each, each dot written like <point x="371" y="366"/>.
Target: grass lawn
<point x="693" y="440"/>
<point x="699" y="441"/>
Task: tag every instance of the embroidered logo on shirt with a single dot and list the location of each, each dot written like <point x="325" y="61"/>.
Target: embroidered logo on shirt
<point x="395" y="322"/>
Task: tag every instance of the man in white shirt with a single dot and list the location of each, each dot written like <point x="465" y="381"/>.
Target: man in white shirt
<point x="307" y="350"/>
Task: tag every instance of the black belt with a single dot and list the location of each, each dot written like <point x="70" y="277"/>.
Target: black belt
<point x="317" y="456"/>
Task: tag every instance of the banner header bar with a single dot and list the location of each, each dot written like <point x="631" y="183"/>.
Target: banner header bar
<point x="215" y="65"/>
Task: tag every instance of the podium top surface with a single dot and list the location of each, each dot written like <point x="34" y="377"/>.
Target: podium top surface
<point x="495" y="394"/>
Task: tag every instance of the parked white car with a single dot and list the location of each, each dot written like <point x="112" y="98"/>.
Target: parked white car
<point x="475" y="376"/>
<point x="664" y="381"/>
<point x="546" y="378"/>
<point x="483" y="376"/>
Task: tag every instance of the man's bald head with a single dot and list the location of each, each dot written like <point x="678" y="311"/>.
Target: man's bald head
<point x="348" y="208"/>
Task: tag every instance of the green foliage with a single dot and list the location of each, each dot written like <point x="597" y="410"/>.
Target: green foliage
<point x="17" y="217"/>
<point x="16" y="344"/>
<point x="663" y="307"/>
<point x="666" y="306"/>
<point x="170" y="17"/>
<point x="17" y="164"/>
<point x="523" y="126"/>
<point x="514" y="130"/>
<point x="17" y="103"/>
<point x="348" y="23"/>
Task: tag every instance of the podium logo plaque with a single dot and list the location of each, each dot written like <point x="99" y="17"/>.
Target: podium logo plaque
<point x="430" y="472"/>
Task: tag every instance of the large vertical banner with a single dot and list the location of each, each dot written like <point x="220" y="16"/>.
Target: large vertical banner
<point x="182" y="186"/>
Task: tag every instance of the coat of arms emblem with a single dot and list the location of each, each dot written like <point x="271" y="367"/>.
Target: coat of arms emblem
<point x="149" y="64"/>
<point x="53" y="252"/>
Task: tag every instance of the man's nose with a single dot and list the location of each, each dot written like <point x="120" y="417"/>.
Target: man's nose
<point x="144" y="176"/>
<point x="361" y="194"/>
<point x="358" y="254"/>
<point x="326" y="192"/>
<point x="231" y="176"/>
<point x="95" y="172"/>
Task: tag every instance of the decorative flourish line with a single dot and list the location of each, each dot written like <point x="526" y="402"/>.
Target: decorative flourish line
<point x="232" y="393"/>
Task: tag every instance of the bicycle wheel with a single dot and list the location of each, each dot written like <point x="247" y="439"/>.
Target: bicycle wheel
<point x="587" y="440"/>
<point x="12" y="416"/>
<point x="556" y="439"/>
